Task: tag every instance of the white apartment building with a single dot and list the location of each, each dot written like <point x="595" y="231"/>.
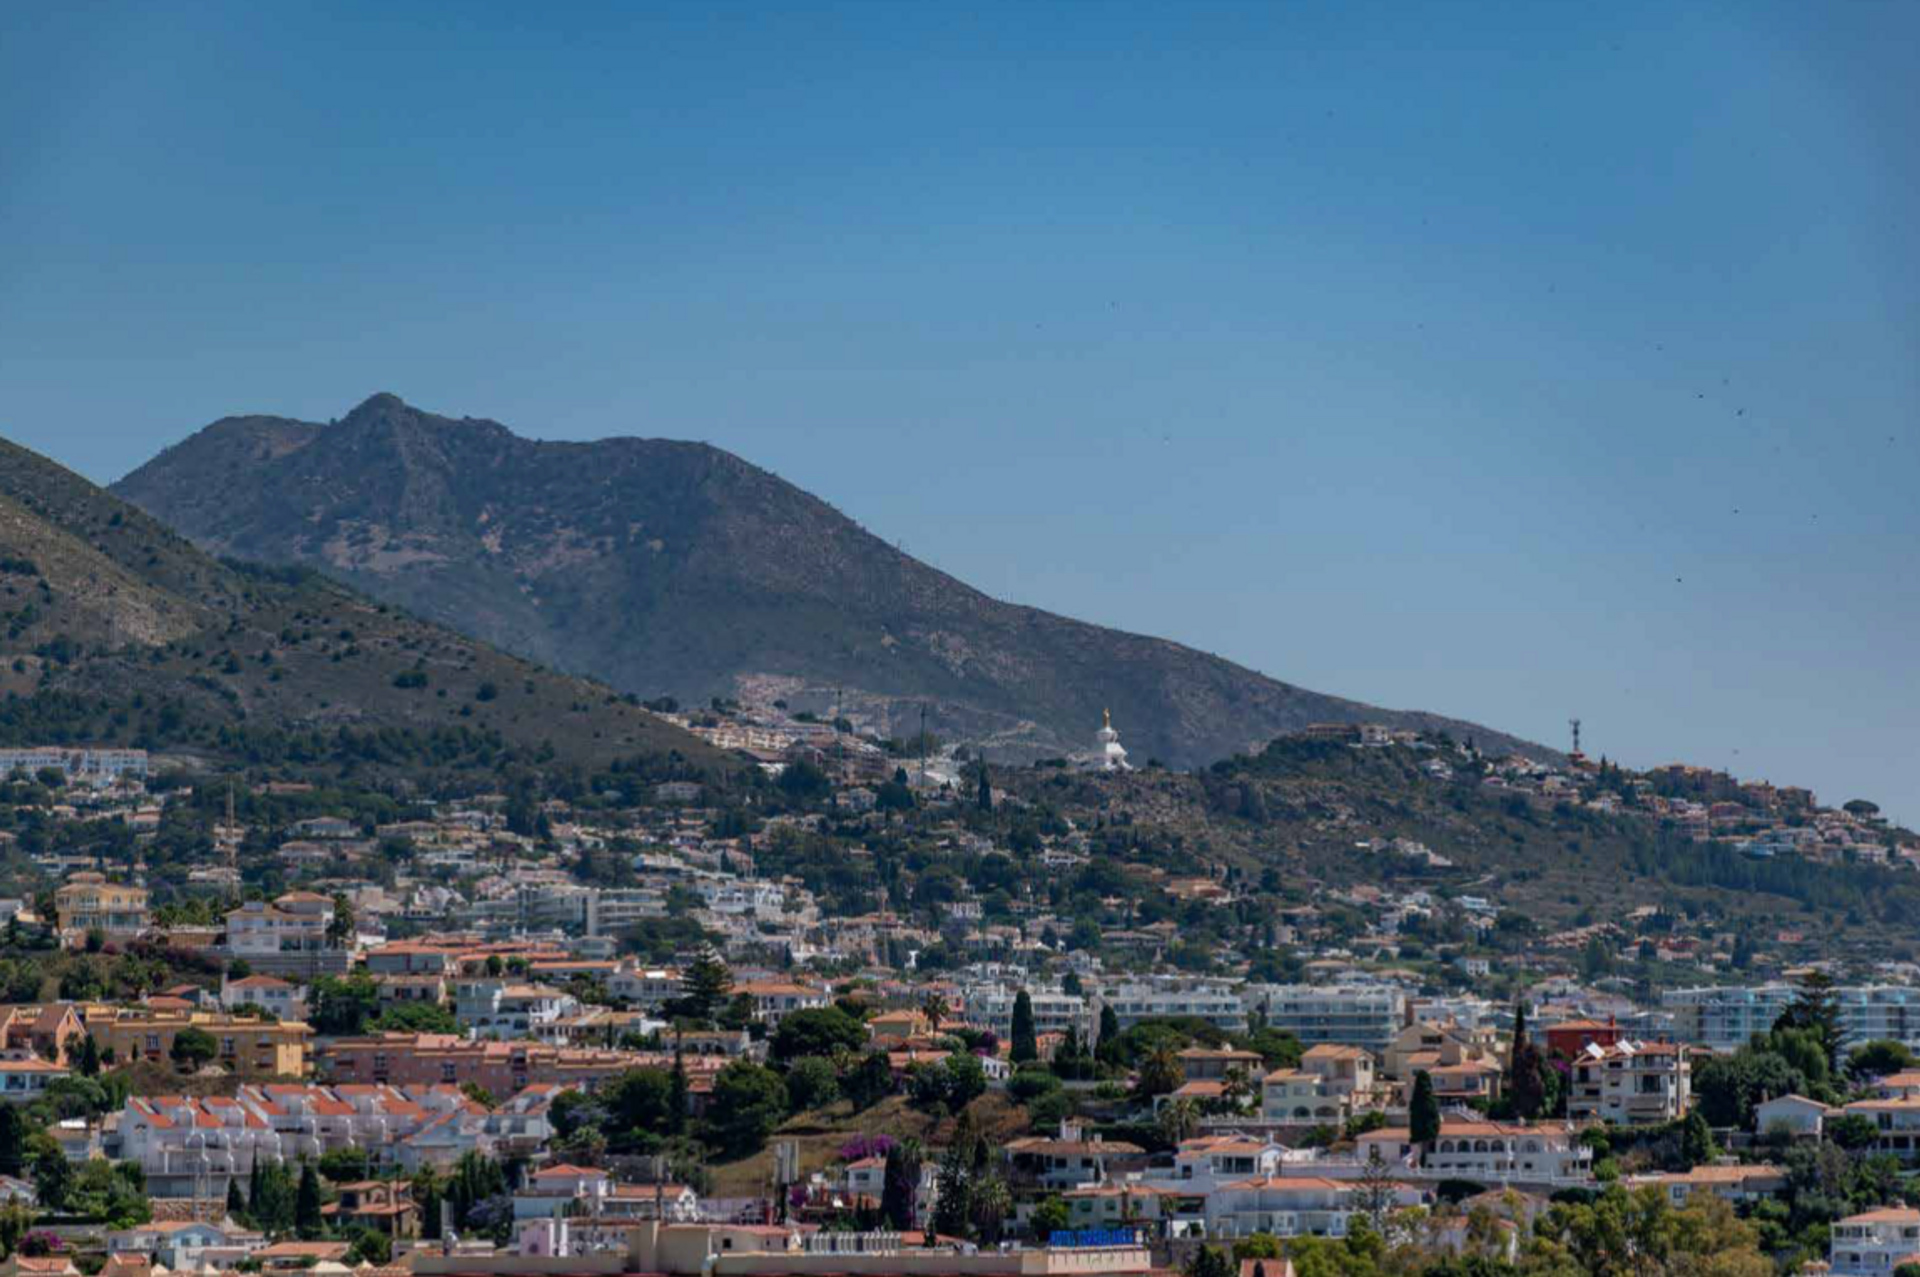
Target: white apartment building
<point x="1873" y="1244"/>
<point x="1630" y="1082"/>
<point x="295" y="923"/>
<point x="94" y="766"/>
<point x="1293" y="1206"/>
<point x="1896" y="1118"/>
<point x="773" y="1000"/>
<point x="1362" y="1015"/>
<point x="490" y="1007"/>
<point x="1724" y="1018"/>
<point x="611" y="911"/>
<point x="190" y="1146"/>
<point x="1161" y="997"/>
<point x="1490" y="1151"/>
<point x="740" y="897"/>
<point x="1205" y="1162"/>
<point x="286" y="1001"/>
<point x="1331" y="1083"/>
<point x="990" y="1006"/>
<point x="645" y="987"/>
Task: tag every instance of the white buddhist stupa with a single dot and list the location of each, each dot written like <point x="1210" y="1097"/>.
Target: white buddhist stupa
<point x="1111" y="756"/>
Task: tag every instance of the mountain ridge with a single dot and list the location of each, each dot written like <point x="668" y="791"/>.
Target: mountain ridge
<point x="675" y="567"/>
<point x="116" y="629"/>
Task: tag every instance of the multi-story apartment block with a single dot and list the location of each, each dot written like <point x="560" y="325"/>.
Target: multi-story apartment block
<point x="248" y="1047"/>
<point x="1630" y="1082"/>
<point x="1491" y="1151"/>
<point x="1216" y="1064"/>
<point x="1215" y="1001"/>
<point x="191" y="1146"/>
<point x="1362" y="1015"/>
<point x="25" y="1076"/>
<point x="92" y="766"/>
<point x="1896" y="1121"/>
<point x="286" y="1001"/>
<point x="1725" y="1018"/>
<point x="286" y="937"/>
<point x="489" y="1007"/>
<point x="88" y="902"/>
<point x="990" y="1006"/>
<point x="646" y="987"/>
<point x="1293" y="1206"/>
<point x="1208" y="1160"/>
<point x="773" y="1000"/>
<point x="503" y="1068"/>
<point x="1330" y="1084"/>
<point x="1873" y="1244"/>
<point x="1069" y="1160"/>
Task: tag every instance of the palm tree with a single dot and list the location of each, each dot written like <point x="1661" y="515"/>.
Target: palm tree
<point x="1240" y="1091"/>
<point x="1178" y="1121"/>
<point x="936" y="1009"/>
<point x="992" y="1204"/>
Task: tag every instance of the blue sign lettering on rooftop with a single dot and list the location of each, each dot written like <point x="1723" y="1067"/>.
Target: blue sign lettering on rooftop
<point x="1087" y="1237"/>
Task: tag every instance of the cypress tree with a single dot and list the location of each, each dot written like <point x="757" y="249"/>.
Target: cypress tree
<point x="1026" y="1044"/>
<point x="986" y="789"/>
<point x="307" y="1218"/>
<point x="900" y="1185"/>
<point x="236" y="1204"/>
<point x="1423" y="1112"/>
<point x="13" y="1142"/>
<point x="677" y="1093"/>
<point x="253" y="1193"/>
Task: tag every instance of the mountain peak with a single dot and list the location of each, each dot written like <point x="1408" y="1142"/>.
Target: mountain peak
<point x="379" y="404"/>
<point x="672" y="568"/>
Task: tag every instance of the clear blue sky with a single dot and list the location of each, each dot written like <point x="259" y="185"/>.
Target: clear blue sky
<point x="1420" y="353"/>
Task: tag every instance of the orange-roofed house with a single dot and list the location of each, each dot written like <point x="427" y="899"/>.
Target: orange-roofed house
<point x="88" y="902"/>
<point x="1875" y="1243"/>
<point x="1207" y="1160"/>
<point x="52" y="1031"/>
<point x="1569" y="1038"/>
<point x="1543" y="1152"/>
<point x="1631" y="1083"/>
<point x="287" y="1001"/>
<point x="773" y="1000"/>
<point x="292" y="1255"/>
<point x="1741" y="1185"/>
<point x="18" y="1265"/>
<point x="1070" y="1159"/>
<point x="25" y="1076"/>
<point x="1295" y="1205"/>
<point x="385" y="1206"/>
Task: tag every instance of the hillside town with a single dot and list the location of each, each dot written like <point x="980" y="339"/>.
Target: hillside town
<point x="909" y="1016"/>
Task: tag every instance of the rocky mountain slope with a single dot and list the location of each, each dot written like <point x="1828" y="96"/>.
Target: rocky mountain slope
<point x="114" y="629"/>
<point x="677" y="568"/>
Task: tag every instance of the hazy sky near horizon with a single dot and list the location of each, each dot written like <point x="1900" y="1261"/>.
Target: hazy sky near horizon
<point x="1512" y="361"/>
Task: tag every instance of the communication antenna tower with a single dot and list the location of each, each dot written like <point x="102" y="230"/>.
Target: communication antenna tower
<point x="1575" y="724"/>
